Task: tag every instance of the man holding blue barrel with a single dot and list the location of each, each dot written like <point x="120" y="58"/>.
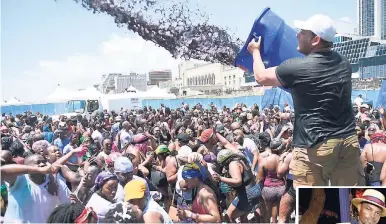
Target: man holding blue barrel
<point x="326" y="149"/>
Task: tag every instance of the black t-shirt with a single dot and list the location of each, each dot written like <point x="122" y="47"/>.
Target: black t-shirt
<point x="320" y="85"/>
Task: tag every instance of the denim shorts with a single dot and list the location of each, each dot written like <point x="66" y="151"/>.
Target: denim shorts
<point x="375" y="184"/>
<point x="247" y="200"/>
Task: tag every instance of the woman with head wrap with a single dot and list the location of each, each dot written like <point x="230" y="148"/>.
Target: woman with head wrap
<point x="144" y="145"/>
<point x="72" y="213"/>
<point x="204" y="207"/>
<point x="164" y="173"/>
<point x="238" y="175"/>
<point x="141" y="142"/>
<point x="373" y="158"/>
<point x="273" y="185"/>
<point x="105" y="187"/>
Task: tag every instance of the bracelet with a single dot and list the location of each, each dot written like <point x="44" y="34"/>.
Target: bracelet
<point x="191" y="215"/>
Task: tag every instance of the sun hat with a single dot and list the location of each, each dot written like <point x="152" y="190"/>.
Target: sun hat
<point x="373" y="197"/>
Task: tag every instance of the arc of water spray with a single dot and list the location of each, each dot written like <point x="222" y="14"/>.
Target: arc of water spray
<point x="174" y="30"/>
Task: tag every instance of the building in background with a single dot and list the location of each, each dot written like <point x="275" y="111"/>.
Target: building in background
<point x="185" y="65"/>
<point x="118" y="83"/>
<point x="156" y="77"/>
<point x="177" y="83"/>
<point x="383" y="19"/>
<point x="366" y="17"/>
<point x="210" y="78"/>
<point x="367" y="55"/>
<point x="372" y="18"/>
<point x="172" y="86"/>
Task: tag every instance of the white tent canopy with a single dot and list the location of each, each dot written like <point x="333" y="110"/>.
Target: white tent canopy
<point x="61" y="94"/>
<point x="157" y="93"/>
<point x="89" y="93"/>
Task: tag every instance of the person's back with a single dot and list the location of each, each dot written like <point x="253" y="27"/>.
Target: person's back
<point x="374" y="154"/>
<point x="270" y="171"/>
<point x="321" y="87"/>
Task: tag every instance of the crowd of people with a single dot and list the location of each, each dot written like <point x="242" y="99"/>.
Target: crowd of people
<point x="162" y="165"/>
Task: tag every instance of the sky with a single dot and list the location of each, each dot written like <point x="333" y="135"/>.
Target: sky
<point x="46" y="42"/>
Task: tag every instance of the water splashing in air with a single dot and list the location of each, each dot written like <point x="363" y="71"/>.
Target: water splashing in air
<point x="171" y="24"/>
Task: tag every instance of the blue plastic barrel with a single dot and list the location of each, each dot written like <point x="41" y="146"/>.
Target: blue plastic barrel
<point x="279" y="42"/>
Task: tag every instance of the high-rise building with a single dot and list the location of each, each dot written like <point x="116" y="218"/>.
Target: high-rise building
<point x="155" y="77"/>
<point x="372" y="18"/>
<point x="383" y="19"/>
<point x="118" y="83"/>
<point x="366" y="17"/>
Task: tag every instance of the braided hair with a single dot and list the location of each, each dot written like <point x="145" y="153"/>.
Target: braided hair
<point x="66" y="213"/>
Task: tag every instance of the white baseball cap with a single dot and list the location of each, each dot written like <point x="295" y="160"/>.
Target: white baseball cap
<point x="320" y="25"/>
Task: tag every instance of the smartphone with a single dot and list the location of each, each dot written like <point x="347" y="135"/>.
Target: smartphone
<point x="369" y="168"/>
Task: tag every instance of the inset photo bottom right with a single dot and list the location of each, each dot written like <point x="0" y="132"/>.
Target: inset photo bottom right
<point x="341" y="205"/>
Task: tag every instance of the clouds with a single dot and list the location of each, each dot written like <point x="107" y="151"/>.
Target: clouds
<point x="117" y="54"/>
<point x="346" y="19"/>
<point x="345" y="25"/>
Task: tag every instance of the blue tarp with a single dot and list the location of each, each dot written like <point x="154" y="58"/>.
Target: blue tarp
<point x="49" y="108"/>
<point x="382" y="96"/>
<point x="274" y="96"/>
<point x="369" y="96"/>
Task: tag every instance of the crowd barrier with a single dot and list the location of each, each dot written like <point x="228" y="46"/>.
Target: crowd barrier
<point x="274" y="96"/>
<point x="382" y="95"/>
<point x="49" y="108"/>
<point x="205" y="102"/>
<point x="367" y="95"/>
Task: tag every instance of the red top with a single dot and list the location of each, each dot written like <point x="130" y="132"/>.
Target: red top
<point x="197" y="208"/>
